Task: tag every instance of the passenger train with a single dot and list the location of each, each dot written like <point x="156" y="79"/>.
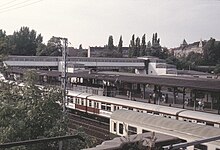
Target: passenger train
<point x="125" y="122"/>
<point x="104" y="106"/>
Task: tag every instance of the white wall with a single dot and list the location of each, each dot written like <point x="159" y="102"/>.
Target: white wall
<point x="152" y="70"/>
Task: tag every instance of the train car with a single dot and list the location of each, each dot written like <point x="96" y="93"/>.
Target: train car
<point x="104" y="106"/>
<point x="125" y="122"/>
<point x="200" y="118"/>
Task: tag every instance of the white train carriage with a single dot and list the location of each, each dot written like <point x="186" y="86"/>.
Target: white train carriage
<point x="104" y="106"/>
<point x="123" y="122"/>
<point x="200" y="118"/>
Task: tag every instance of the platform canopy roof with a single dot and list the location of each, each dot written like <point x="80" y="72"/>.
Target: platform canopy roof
<point x="170" y="81"/>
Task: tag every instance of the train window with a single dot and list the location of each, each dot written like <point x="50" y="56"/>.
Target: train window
<point x="114" y="126"/>
<point x="77" y="101"/>
<point x="90" y="103"/>
<point x="108" y="108"/>
<point x="129" y="108"/>
<point x="103" y="106"/>
<point x="209" y="124"/>
<point x="156" y="113"/>
<point x="96" y="105"/>
<point x="200" y="147"/>
<point x="120" y="128"/>
<point x="144" y="131"/>
<point x="132" y="130"/>
<point x="82" y="102"/>
<point x="115" y="108"/>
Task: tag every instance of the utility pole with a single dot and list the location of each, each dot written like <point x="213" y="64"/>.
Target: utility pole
<point x="63" y="78"/>
<point x="64" y="73"/>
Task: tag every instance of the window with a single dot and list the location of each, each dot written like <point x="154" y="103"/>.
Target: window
<point x="114" y="127"/>
<point x="106" y="106"/>
<point x="200" y="147"/>
<point x="144" y="131"/>
<point x="129" y="108"/>
<point x="132" y="130"/>
<point x="82" y="102"/>
<point x="209" y="124"/>
<point x="90" y="103"/>
<point x="77" y="100"/>
<point x="71" y="99"/>
<point x="120" y="128"/>
<point x="96" y="105"/>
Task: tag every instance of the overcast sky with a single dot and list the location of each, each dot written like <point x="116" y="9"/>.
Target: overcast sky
<point x="90" y="22"/>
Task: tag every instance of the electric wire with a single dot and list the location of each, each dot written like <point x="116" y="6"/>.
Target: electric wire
<point x="14" y="8"/>
<point x="4" y="4"/>
<point x="14" y="5"/>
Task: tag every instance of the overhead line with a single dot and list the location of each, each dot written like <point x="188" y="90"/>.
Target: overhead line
<point x="7" y="3"/>
<point x="20" y="6"/>
<point x="7" y="7"/>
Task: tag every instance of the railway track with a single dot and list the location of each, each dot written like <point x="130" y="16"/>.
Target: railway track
<point x="92" y="127"/>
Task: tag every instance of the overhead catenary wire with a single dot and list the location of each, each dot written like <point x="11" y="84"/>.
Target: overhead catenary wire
<point x="13" y="7"/>
<point x="4" y="4"/>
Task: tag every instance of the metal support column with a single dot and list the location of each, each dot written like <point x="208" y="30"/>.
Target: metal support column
<point x="184" y="93"/>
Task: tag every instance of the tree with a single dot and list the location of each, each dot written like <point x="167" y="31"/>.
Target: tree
<point x="137" y="47"/>
<point x="131" y="46"/>
<point x="120" y="45"/>
<point x="110" y="43"/>
<point x="53" y="48"/>
<point x="80" y="46"/>
<point x="31" y="112"/>
<point x="41" y="50"/>
<point x="143" y="46"/>
<point x="3" y="43"/>
<point x="148" y="49"/>
<point x="24" y="42"/>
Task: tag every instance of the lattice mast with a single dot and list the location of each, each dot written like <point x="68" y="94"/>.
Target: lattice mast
<point x="64" y="72"/>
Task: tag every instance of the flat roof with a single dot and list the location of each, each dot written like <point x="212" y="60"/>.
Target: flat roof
<point x="181" y="128"/>
<point x="170" y="81"/>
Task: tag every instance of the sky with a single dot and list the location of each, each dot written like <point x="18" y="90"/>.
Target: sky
<point x="91" y="22"/>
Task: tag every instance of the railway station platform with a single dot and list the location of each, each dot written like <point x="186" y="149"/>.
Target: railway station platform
<point x="208" y="110"/>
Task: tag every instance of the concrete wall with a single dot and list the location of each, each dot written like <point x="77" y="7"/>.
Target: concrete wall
<point x="152" y="70"/>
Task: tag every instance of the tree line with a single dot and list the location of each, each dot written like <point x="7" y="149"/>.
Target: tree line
<point x="138" y="47"/>
<point x="28" y="43"/>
